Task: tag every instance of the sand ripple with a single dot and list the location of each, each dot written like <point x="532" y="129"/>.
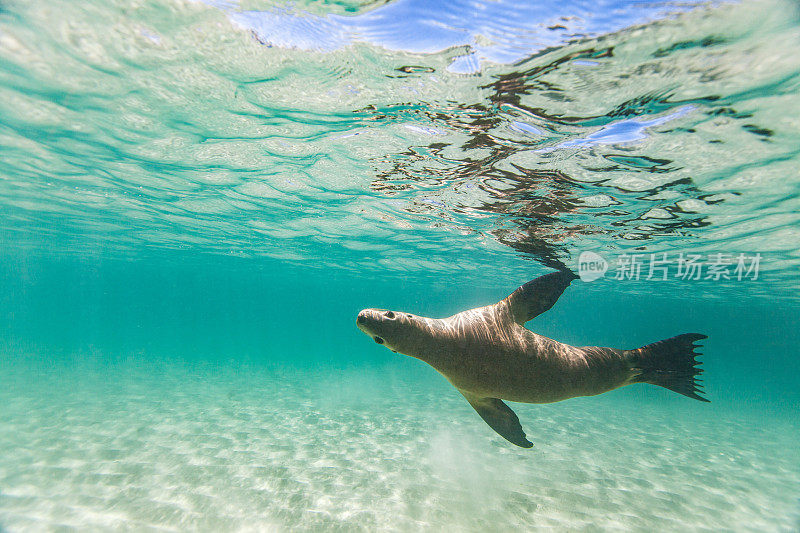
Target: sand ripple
<point x="198" y="447"/>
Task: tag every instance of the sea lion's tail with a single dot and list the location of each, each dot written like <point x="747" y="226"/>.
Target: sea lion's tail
<point x="671" y="364"/>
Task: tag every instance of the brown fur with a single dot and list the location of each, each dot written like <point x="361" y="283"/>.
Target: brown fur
<point x="489" y="356"/>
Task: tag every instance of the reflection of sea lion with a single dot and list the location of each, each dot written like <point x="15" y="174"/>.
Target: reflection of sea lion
<point x="487" y="354"/>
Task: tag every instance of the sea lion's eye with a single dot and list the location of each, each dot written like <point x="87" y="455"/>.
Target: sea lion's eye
<point x="389" y="315"/>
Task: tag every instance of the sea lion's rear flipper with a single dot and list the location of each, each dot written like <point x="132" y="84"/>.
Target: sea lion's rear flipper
<point x="671" y="363"/>
<point x="500" y="418"/>
<point x="537" y="296"/>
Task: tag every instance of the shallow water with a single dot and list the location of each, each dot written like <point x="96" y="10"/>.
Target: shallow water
<point x="197" y="198"/>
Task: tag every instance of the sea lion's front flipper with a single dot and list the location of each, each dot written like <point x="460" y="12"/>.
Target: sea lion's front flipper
<point x="537" y="296"/>
<point x="500" y="418"/>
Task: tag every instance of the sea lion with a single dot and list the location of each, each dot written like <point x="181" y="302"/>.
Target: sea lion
<point x="489" y="356"/>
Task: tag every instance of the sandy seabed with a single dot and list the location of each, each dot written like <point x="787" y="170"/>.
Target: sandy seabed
<point x="146" y="445"/>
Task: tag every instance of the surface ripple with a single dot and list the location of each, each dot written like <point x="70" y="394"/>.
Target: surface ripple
<point x="169" y="125"/>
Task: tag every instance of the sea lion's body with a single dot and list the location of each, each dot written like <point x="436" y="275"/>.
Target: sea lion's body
<point x="482" y="352"/>
<point x="488" y="355"/>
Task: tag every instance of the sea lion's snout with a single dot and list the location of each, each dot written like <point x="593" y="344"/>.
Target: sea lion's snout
<point x="383" y="326"/>
<point x="365" y="319"/>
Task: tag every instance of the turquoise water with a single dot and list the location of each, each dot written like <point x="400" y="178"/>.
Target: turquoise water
<point x="197" y="199"/>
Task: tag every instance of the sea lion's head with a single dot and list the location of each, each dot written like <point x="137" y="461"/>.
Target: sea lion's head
<point x="398" y="331"/>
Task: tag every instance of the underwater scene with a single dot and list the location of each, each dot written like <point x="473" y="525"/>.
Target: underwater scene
<point x="399" y="265"/>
